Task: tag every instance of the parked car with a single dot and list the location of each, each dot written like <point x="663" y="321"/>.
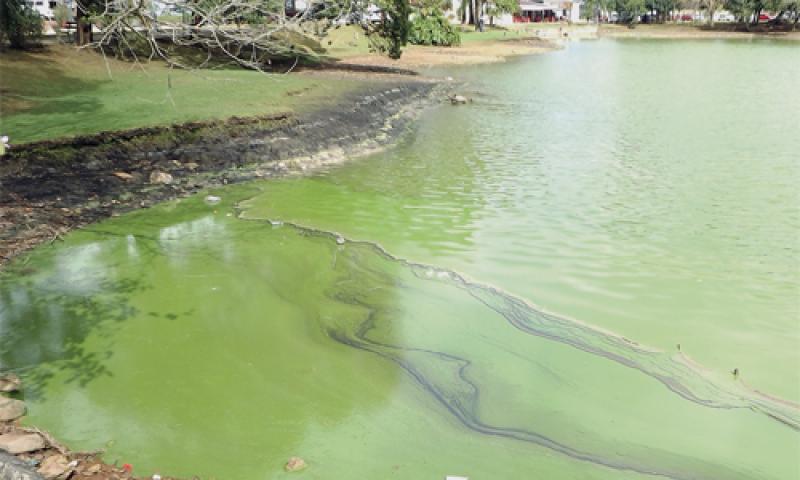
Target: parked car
<point x="686" y="18"/>
<point x="764" y="18"/>
<point x="724" y="17"/>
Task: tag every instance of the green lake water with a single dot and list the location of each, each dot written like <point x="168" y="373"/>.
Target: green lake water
<point x="500" y="296"/>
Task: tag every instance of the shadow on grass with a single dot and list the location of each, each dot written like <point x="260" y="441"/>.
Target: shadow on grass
<point x="34" y="84"/>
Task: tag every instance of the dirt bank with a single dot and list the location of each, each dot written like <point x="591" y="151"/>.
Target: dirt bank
<point x="468" y="54"/>
<point x="48" y="188"/>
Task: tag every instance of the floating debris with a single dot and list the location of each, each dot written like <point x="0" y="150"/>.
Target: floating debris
<point x="295" y="464"/>
<point x="340" y="240"/>
<point x="212" y="199"/>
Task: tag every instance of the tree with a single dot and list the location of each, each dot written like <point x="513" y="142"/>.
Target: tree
<point x="593" y="9"/>
<point x="629" y="10"/>
<point x="86" y="11"/>
<point x="662" y="8"/>
<point x="499" y="7"/>
<point x="253" y="33"/>
<point x="786" y="10"/>
<point x="392" y="32"/>
<point x="752" y="9"/>
<point x="19" y="24"/>
<point x="711" y="7"/>
<point x="469" y="11"/>
<point x="61" y="16"/>
<point x="430" y="27"/>
<point x="741" y="9"/>
<point x="793" y="9"/>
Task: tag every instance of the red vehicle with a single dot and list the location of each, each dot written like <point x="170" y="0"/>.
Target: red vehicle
<point x="686" y="18"/>
<point x="764" y="18"/>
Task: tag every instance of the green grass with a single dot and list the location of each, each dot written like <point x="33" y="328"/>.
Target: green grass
<point x="349" y="41"/>
<point x="469" y="34"/>
<point x="64" y="92"/>
<point x="346" y="41"/>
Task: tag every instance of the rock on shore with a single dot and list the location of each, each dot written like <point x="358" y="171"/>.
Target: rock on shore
<point x="11" y="409"/>
<point x="9" y="383"/>
<point x="21" y="442"/>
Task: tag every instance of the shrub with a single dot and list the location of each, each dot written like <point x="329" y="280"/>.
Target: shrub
<point x="19" y="24"/>
<point x="430" y="27"/>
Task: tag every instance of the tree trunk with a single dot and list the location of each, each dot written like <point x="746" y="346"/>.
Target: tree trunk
<point x="777" y="20"/>
<point x="473" y="9"/>
<point x="755" y="16"/>
<point x="84" y="33"/>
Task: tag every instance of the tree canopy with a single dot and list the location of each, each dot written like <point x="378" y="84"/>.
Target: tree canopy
<point x="19" y="24"/>
<point x="253" y="33"/>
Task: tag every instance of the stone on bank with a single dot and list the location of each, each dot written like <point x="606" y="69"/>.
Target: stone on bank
<point x="11" y="409"/>
<point x="21" y="442"/>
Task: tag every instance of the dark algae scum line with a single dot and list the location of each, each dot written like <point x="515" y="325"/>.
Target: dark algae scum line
<point x="676" y="375"/>
<point x="435" y="371"/>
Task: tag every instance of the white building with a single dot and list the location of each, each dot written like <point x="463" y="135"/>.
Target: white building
<point x="531" y="11"/>
<point x="46" y="8"/>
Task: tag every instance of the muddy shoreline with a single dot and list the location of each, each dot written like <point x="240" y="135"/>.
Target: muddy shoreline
<point x="49" y="188"/>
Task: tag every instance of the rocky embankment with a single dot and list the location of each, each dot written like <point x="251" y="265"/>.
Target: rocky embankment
<point x="31" y="454"/>
<point x="48" y="188"/>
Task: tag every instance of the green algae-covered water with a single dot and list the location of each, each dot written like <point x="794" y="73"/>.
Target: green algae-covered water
<point x="501" y="296"/>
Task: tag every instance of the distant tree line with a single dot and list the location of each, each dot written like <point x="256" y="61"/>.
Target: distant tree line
<point x="745" y="11"/>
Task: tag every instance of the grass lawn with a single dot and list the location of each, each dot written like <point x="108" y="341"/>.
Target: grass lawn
<point x="346" y="41"/>
<point x="469" y="34"/>
<point x="61" y="91"/>
<point x="349" y="41"/>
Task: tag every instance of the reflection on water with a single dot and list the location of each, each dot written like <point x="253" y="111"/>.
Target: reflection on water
<point x="638" y="186"/>
<point x="415" y="349"/>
